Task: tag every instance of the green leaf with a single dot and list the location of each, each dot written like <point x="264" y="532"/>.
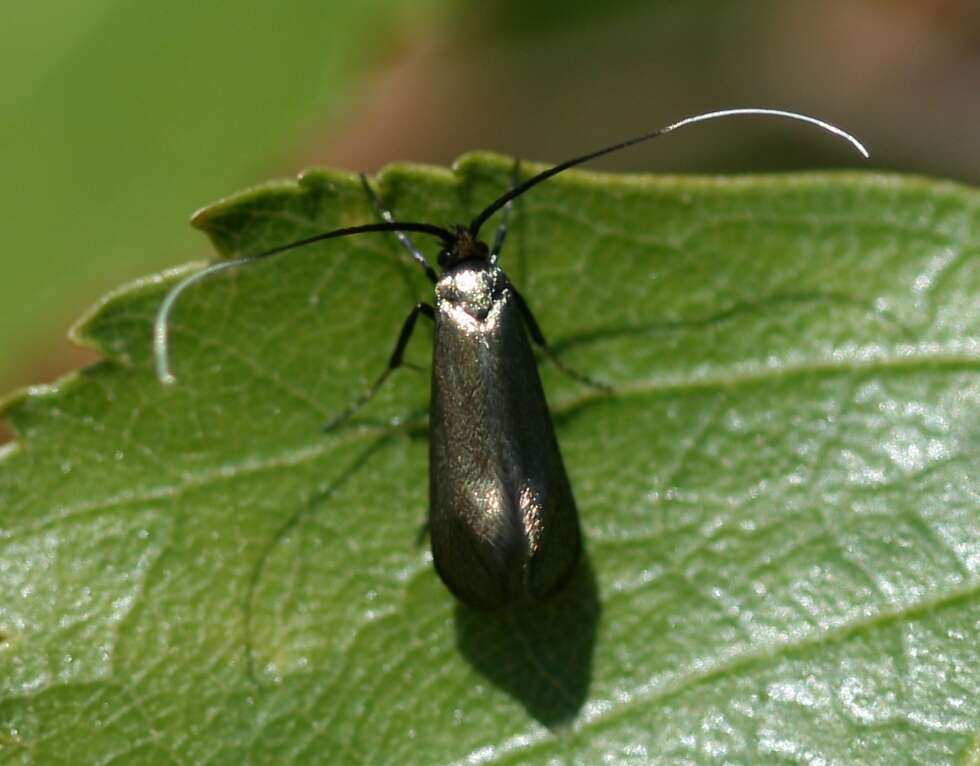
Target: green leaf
<point x="780" y="498"/>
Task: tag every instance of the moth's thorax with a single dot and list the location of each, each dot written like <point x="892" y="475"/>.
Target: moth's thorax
<point x="472" y="292"/>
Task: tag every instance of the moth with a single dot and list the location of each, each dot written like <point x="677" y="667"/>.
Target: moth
<point x="503" y="522"/>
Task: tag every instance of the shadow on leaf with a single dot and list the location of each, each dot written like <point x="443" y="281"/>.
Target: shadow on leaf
<point x="541" y="653"/>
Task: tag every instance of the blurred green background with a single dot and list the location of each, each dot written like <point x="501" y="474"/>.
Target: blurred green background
<point x="121" y="117"/>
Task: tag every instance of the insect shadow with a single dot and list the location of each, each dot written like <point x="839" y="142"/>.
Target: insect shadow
<point x="538" y="653"/>
<point x="738" y="309"/>
<point x="314" y="501"/>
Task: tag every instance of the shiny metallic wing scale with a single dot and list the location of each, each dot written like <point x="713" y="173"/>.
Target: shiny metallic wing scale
<point x="502" y="518"/>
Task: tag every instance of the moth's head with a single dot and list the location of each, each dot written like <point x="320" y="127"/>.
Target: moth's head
<point x="464" y="247"/>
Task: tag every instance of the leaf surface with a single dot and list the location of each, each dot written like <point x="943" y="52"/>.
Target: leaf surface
<point x="780" y="497"/>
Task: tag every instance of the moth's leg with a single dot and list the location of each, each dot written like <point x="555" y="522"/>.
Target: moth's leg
<point x="394" y="362"/>
<point x="538" y="337"/>
<point x="386" y="216"/>
<point x="501" y="235"/>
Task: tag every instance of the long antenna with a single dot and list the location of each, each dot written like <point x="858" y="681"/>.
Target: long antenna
<point x="518" y="190"/>
<point x="424" y="228"/>
<point x="161" y="325"/>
